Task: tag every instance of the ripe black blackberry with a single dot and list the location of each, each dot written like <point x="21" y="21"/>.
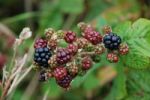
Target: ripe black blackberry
<point x="111" y="41"/>
<point x="41" y="56"/>
<point x="65" y="82"/>
<point x="63" y="56"/>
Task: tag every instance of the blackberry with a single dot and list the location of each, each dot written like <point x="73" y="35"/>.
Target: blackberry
<point x="123" y="49"/>
<point x="52" y="43"/>
<point x="65" y="82"/>
<point x="42" y="55"/>
<point x="82" y="42"/>
<point x="86" y="63"/>
<point x="107" y="29"/>
<point x="40" y="43"/>
<point x="73" y="49"/>
<point x="60" y="72"/>
<point x="49" y="32"/>
<point x="91" y="35"/>
<point x="72" y="69"/>
<point x="69" y="36"/>
<point x="111" y="41"/>
<point x="99" y="49"/>
<point x="63" y="56"/>
<point x="112" y="57"/>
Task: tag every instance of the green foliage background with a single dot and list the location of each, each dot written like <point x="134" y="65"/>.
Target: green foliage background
<point x="128" y="18"/>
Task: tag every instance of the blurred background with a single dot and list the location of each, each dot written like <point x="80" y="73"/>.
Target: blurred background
<point x="63" y="14"/>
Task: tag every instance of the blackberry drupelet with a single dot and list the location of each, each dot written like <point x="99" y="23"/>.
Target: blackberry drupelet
<point x="111" y="41"/>
<point x="65" y="82"/>
<point x="63" y="56"/>
<point x="41" y="56"/>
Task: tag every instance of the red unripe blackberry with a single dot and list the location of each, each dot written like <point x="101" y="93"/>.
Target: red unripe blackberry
<point x="91" y="35"/>
<point x="40" y="43"/>
<point x="63" y="56"/>
<point x="69" y="36"/>
<point x="73" y="49"/>
<point x="123" y="49"/>
<point x="86" y="63"/>
<point x="112" y="57"/>
<point x="60" y="72"/>
<point x="65" y="82"/>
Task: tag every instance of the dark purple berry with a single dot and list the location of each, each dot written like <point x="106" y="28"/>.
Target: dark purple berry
<point x="65" y="82"/>
<point x="63" y="56"/>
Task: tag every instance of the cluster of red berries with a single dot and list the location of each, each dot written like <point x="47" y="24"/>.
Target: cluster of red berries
<point x="65" y="63"/>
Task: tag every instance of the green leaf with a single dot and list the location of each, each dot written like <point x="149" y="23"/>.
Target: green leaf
<point x="139" y="47"/>
<point x="71" y="6"/>
<point x="138" y="84"/>
<point x="122" y="29"/>
<point x="118" y="91"/>
<point x="136" y="61"/>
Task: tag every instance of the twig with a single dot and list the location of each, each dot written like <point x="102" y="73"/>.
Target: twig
<point x="46" y="95"/>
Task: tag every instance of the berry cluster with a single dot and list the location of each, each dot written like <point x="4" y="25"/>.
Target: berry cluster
<point x="67" y="62"/>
